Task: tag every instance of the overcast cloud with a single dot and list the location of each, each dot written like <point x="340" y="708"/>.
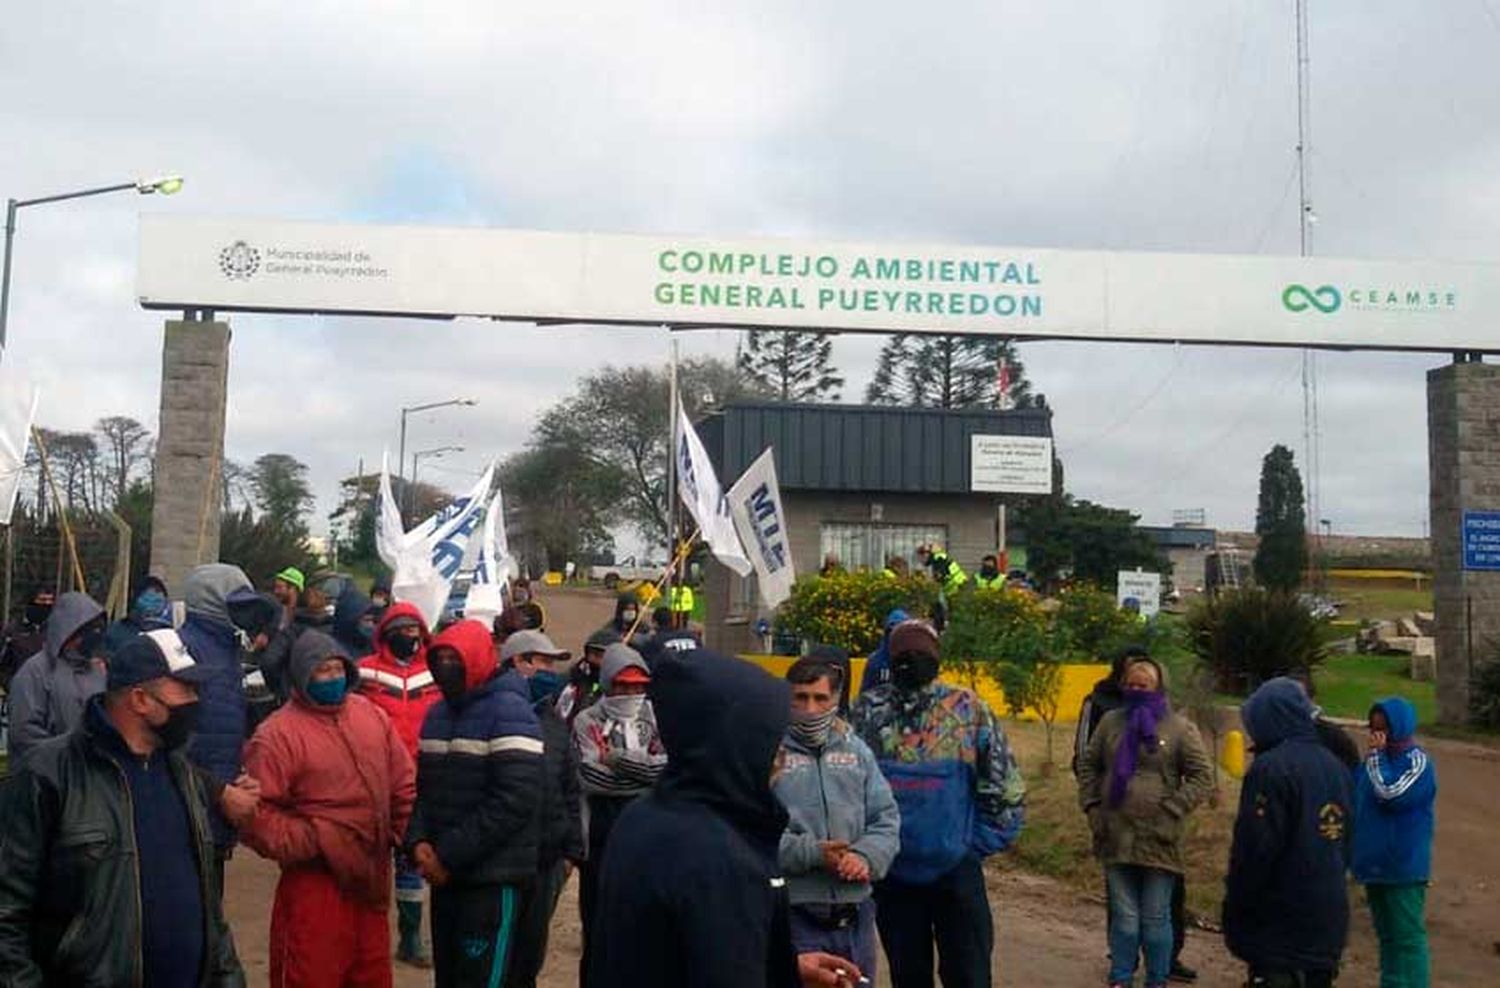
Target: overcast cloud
<point x="1165" y="125"/>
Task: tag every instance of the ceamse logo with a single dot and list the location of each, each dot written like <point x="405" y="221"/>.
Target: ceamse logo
<point x="1299" y="298"/>
<point x="1328" y="299"/>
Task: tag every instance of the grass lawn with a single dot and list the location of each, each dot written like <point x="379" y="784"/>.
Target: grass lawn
<point x="1348" y="684"/>
<point x="1381" y="602"/>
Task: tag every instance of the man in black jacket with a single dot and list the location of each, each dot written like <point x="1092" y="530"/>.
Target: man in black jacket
<point x="106" y="860"/>
<point x="1286" y="907"/>
<point x="691" y="892"/>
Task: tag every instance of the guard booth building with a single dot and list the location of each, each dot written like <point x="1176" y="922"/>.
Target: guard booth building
<point x="862" y="483"/>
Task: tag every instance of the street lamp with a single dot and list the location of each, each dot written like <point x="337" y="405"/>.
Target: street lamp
<point x="165" y="184"/>
<point x="401" y="453"/>
<point x="416" y="458"/>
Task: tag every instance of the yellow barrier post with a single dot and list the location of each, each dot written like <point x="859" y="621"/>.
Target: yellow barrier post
<point x="1233" y="756"/>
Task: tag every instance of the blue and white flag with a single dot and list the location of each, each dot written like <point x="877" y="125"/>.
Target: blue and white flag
<point x="699" y="488"/>
<point x="426" y="559"/>
<point x="495" y="568"/>
<point x="755" y="506"/>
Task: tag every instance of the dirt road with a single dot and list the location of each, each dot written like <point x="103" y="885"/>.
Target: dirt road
<point x="1049" y="935"/>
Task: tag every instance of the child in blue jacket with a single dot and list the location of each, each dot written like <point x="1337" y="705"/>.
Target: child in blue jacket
<point x="1394" y="792"/>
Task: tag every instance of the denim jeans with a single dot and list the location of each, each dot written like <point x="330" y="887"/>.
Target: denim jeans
<point x="855" y="941"/>
<point x="1140" y="904"/>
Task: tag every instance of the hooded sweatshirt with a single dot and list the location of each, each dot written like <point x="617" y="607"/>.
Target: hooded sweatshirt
<point x="619" y="750"/>
<point x="1394" y="792"/>
<point x="1285" y="903"/>
<point x="214" y="644"/>
<point x="337" y="784"/>
<point x="404" y="690"/>
<point x="878" y="666"/>
<point x="49" y="693"/>
<point x="347" y="612"/>
<point x="691" y="889"/>
<point x="480" y="778"/>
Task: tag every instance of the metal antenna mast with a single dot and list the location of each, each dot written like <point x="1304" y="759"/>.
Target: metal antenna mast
<point x="1311" y="440"/>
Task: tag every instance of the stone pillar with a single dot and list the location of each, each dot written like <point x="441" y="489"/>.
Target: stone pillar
<point x="1463" y="452"/>
<point x="189" y="449"/>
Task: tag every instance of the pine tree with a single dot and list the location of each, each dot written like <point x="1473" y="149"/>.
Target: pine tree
<point x="948" y="372"/>
<point x="792" y="365"/>
<point x="1281" y="523"/>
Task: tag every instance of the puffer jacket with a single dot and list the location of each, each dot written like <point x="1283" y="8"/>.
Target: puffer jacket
<point x="405" y="691"/>
<point x="1171" y="779"/>
<point x="70" y="892"/>
<point x="480" y="770"/>
<point x="336" y="782"/>
<point x="1394" y="792"/>
<point x="214" y="644"/>
<point x="562" y="799"/>
<point x="835" y="792"/>
<point x="48" y="694"/>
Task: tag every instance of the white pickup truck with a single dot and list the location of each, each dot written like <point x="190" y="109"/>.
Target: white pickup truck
<point x="627" y="570"/>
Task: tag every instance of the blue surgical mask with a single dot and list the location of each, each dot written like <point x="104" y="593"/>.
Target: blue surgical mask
<point x="151" y="603"/>
<point x="328" y="692"/>
<point x="544" y="683"/>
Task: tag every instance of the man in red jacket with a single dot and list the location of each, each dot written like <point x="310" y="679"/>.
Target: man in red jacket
<point x="396" y="679"/>
<point x="337" y="787"/>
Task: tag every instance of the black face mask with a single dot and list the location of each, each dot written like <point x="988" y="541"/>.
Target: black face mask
<point x="90" y="643"/>
<point x="181" y="721"/>
<point x="989" y="572"/>
<point x="586" y="672"/>
<point x="451" y="679"/>
<point x="37" y="614"/>
<point x="403" y="647"/>
<point x="911" y="671"/>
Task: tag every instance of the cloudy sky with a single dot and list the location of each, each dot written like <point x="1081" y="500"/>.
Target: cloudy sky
<point x="1164" y="125"/>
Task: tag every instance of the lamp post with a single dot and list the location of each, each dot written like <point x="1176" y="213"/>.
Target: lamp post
<point x="166" y="185"/>
<point x="416" y="458"/>
<point x="401" y="452"/>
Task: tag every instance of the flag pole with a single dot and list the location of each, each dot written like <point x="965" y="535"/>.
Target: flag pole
<point x="672" y="494"/>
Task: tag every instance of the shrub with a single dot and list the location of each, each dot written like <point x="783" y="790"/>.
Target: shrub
<point x="1484" y="693"/>
<point x="849" y="609"/>
<point x="988" y="629"/>
<point x="1248" y="636"/>
<point x="1089" y="625"/>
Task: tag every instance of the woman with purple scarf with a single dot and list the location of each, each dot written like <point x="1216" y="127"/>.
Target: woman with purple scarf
<point x="1145" y="771"/>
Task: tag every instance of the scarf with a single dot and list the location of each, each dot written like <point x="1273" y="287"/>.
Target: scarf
<point x="812" y="729"/>
<point x="1142" y="712"/>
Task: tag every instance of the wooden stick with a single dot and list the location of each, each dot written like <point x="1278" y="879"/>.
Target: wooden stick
<point x="681" y="556"/>
<point x="62" y="514"/>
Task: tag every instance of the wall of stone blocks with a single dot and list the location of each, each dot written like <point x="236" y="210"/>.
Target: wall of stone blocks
<point x="189" y="448"/>
<point x="1463" y="428"/>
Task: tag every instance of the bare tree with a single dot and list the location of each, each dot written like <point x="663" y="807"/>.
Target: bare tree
<point x="127" y="444"/>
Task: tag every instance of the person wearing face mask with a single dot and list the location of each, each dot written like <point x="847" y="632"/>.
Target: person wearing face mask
<point x="395" y="677"/>
<point x="106" y="866"/>
<point x="353" y="626"/>
<point x="878" y="665"/>
<point x="620" y="757"/>
<point x="1144" y="771"/>
<point x="523" y="600"/>
<point x="25" y="636"/>
<point x="337" y="786"/>
<point x="844" y="828"/>
<point x="583" y="688"/>
<point x="533" y="655"/>
<point x="149" y="611"/>
<point x="49" y="692"/>
<point x="989" y="576"/>
<point x="961" y="798"/>
<point x="627" y="610"/>
<point x="480" y="788"/>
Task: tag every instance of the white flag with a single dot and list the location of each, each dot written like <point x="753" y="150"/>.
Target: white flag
<point x="700" y="490"/>
<point x="17" y="411"/>
<point x="494" y="569"/>
<point x="755" y="505"/>
<point x="427" y="558"/>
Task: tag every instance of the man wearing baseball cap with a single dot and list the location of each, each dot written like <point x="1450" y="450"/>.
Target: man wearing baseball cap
<point x="107" y="840"/>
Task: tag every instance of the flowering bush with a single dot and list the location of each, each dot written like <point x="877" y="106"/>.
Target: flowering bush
<point x="849" y="609"/>
<point x="1090" y="626"/>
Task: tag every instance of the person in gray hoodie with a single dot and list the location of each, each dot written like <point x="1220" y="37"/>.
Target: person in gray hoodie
<point x="49" y="693"/>
<point x="844" y="828"/>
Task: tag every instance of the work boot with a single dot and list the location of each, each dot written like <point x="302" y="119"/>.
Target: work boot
<point x="409" y="948"/>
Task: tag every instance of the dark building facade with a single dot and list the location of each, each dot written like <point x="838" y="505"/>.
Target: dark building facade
<point x="860" y="483"/>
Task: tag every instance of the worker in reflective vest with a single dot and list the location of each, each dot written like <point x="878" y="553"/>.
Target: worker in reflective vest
<point x="948" y="573"/>
<point x="989" y="576"/>
<point x="682" y="601"/>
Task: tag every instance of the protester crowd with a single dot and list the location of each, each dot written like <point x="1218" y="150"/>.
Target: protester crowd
<point x="725" y="827"/>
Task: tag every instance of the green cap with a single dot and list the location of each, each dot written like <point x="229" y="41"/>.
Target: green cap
<point x="292" y="575"/>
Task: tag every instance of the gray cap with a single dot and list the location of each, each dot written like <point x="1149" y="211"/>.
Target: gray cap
<point x="617" y="658"/>
<point x="531" y="643"/>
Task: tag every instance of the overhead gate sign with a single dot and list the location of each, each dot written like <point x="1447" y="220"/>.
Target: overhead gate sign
<point x="272" y="266"/>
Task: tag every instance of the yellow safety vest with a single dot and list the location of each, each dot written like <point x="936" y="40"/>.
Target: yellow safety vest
<point x="682" y="600"/>
<point x="989" y="583"/>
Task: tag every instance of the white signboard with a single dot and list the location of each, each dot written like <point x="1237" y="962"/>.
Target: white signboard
<point x="1010" y="464"/>
<point x="262" y="265"/>
<point x="1144" y="588"/>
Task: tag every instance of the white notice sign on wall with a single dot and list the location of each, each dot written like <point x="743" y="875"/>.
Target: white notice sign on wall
<point x="1142" y="587"/>
<point x="1010" y="464"/>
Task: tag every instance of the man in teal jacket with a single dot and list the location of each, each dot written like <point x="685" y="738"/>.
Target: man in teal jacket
<point x="1394" y="793"/>
<point x="844" y="828"/>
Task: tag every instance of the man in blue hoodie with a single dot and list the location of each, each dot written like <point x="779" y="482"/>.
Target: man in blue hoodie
<point x="844" y="830"/>
<point x="1394" y="792"/>
<point x="878" y="665"/>
<point x="1286" y="908"/>
<point x="961" y="798"/>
